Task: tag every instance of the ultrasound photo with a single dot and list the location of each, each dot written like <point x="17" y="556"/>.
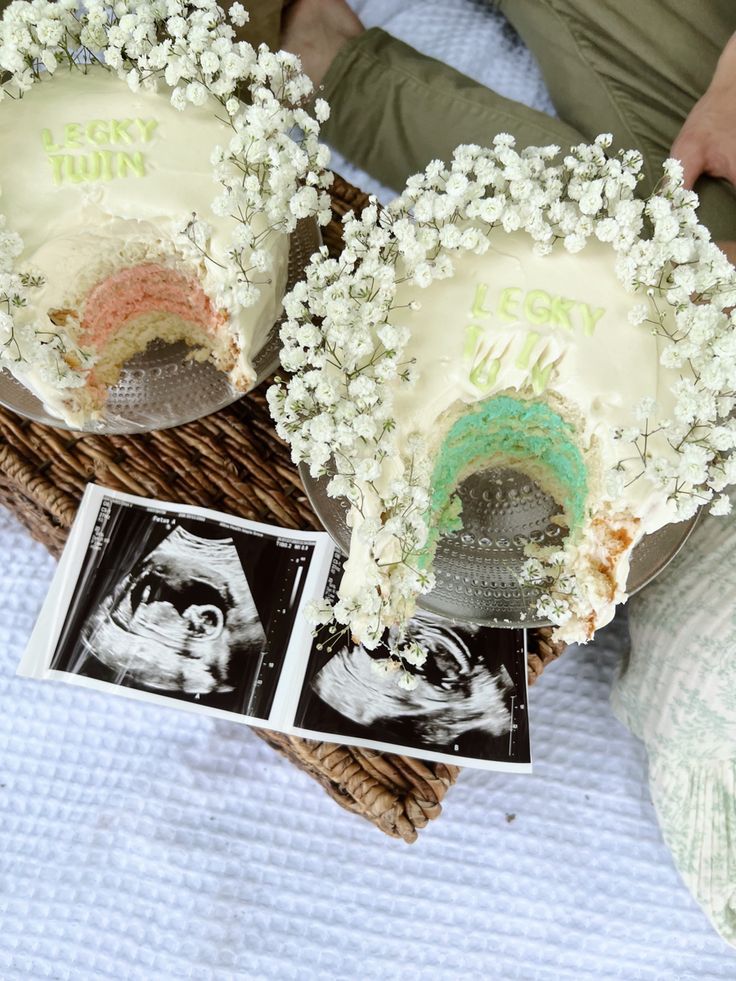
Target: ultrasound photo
<point x="469" y="699"/>
<point x="185" y="607"/>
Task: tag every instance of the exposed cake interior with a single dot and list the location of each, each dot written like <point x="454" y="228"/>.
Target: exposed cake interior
<point x="137" y="291"/>
<point x="529" y="436"/>
<point x="134" y="305"/>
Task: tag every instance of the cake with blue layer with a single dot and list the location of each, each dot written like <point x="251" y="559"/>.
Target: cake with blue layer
<point x="531" y="362"/>
<point x="520" y="311"/>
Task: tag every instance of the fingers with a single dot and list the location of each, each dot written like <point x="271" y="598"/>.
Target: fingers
<point x="729" y="247"/>
<point x="691" y="154"/>
<point x="723" y="163"/>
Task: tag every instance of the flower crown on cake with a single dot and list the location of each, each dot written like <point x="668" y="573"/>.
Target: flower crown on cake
<point x="345" y="355"/>
<point x="270" y="162"/>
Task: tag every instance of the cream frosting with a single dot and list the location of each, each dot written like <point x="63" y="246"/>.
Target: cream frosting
<point x="150" y="166"/>
<point x="555" y="326"/>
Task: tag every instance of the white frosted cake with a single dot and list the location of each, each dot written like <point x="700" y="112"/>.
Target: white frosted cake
<point x="511" y="312"/>
<point x="137" y="219"/>
<point x="532" y="362"/>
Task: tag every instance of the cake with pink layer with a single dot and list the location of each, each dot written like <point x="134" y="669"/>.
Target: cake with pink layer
<point x="111" y="193"/>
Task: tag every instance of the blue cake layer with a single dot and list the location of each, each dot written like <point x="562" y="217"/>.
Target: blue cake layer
<point x="503" y="431"/>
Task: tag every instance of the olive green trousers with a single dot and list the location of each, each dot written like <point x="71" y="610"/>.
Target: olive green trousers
<point x="633" y="68"/>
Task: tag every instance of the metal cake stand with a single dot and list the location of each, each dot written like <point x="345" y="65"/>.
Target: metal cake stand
<point x="162" y="387"/>
<point x="477" y="568"/>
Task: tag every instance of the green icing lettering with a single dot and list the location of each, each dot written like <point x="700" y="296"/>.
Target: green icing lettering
<point x="57" y="162"/>
<point x="559" y="312"/>
<point x="590" y="318"/>
<point x="73" y="136"/>
<point x="523" y="359"/>
<point x="119" y="131"/>
<point x="127" y="162"/>
<point x="478" y="308"/>
<point x="105" y="158"/>
<point x="100" y="132"/>
<point x="85" y="167"/>
<point x="540" y="377"/>
<point x="48" y="142"/>
<point x="97" y="132"/>
<point x="98" y="164"/>
<point x="534" y="312"/>
<point x="509" y="296"/>
<point x="483" y="376"/>
<point x="103" y="165"/>
<point x="537" y="307"/>
<point x="472" y="333"/>
<point x="146" y="128"/>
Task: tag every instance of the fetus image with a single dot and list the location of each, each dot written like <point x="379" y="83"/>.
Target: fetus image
<point x="182" y="620"/>
<point x="460" y="691"/>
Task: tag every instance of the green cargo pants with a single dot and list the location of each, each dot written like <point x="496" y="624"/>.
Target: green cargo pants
<point x="633" y="68"/>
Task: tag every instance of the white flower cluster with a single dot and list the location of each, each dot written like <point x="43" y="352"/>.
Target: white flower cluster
<point x="403" y="658"/>
<point x="555" y="586"/>
<point x="690" y="288"/>
<point x="345" y="355"/>
<point x="270" y="165"/>
<point x="53" y="354"/>
<point x="336" y="411"/>
<point x="49" y="349"/>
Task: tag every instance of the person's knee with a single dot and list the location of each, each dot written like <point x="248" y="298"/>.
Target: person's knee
<point x="264" y="23"/>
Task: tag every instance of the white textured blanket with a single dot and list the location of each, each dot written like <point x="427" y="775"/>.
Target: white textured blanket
<point x="138" y="842"/>
<point x="143" y="843"/>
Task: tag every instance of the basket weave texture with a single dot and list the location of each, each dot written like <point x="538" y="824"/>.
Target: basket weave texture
<point x="231" y="461"/>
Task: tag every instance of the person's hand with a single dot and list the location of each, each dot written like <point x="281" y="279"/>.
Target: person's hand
<point x="730" y="249"/>
<point x="706" y="143"/>
<point x="316" y="30"/>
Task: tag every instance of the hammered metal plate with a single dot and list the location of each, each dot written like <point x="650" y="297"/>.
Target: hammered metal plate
<point x="477" y="568"/>
<point x="162" y="387"/>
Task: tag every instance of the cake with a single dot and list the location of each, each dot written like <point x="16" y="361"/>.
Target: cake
<point x="514" y="310"/>
<point x="142" y="200"/>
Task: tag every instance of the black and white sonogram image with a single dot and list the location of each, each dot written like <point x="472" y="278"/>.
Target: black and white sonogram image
<point x="183" y="606"/>
<point x="469" y="699"/>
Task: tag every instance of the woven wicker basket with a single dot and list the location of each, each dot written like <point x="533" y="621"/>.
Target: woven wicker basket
<point x="234" y="462"/>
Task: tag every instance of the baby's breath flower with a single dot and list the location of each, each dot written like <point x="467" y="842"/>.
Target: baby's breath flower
<point x="639" y="313"/>
<point x="721" y="505"/>
<point x="238" y="14"/>
<point x="385" y="666"/>
<point x="408" y="681"/>
<point x="645" y="409"/>
<point x="318" y="612"/>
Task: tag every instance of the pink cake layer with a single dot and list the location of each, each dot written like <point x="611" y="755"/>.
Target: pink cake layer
<point x="141" y="289"/>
